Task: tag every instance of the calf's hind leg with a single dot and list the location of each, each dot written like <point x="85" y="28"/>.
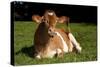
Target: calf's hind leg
<point x="75" y="43"/>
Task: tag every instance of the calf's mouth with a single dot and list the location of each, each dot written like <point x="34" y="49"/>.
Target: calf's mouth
<point x="52" y="34"/>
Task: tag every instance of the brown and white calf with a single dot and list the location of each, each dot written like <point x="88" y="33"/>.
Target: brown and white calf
<point x="50" y="41"/>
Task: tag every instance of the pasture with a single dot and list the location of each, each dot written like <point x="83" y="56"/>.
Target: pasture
<point x="86" y="35"/>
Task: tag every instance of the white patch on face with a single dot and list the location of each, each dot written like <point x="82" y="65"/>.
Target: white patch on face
<point x="50" y="13"/>
<point x="65" y="47"/>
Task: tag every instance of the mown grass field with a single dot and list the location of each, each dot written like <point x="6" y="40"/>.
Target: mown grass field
<point x="86" y="34"/>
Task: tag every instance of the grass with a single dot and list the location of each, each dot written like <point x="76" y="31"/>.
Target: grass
<point x="86" y="34"/>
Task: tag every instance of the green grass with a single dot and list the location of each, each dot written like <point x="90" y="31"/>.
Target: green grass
<point x="86" y="34"/>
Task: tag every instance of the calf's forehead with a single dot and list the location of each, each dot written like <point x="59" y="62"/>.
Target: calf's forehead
<point x="51" y="17"/>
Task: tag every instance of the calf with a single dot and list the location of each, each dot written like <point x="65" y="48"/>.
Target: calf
<point x="50" y="41"/>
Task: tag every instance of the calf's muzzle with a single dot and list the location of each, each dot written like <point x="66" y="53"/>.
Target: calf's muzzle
<point x="51" y="32"/>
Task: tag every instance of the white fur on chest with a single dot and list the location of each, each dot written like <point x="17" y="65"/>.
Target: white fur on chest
<point x="65" y="47"/>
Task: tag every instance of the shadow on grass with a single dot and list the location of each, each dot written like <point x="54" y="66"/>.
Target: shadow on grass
<point x="29" y="51"/>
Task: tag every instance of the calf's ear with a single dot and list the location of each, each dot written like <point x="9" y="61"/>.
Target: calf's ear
<point x="62" y="19"/>
<point x="36" y="18"/>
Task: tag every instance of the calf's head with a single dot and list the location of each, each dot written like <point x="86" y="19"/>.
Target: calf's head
<point x="50" y="20"/>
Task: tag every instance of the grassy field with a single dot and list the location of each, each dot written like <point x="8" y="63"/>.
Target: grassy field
<point x="86" y="35"/>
